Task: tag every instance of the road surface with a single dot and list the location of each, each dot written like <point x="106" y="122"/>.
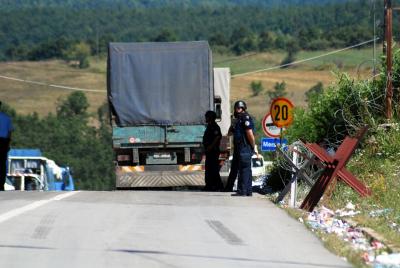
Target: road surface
<point x="152" y="229"/>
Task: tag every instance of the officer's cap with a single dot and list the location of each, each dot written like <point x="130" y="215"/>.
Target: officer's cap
<point x="240" y="104"/>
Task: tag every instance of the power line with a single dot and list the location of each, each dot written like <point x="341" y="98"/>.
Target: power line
<point x="51" y="85"/>
<point x="304" y="60"/>
<point x="233" y="76"/>
<point x="16" y="65"/>
<point x="236" y="58"/>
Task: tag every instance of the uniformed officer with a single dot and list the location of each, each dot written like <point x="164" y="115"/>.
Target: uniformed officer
<point x="242" y="129"/>
<point x="6" y="128"/>
<point x="211" y="141"/>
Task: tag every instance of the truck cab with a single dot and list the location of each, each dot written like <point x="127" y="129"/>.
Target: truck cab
<point x="28" y="170"/>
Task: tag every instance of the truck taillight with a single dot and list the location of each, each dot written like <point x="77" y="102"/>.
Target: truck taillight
<point x="123" y="157"/>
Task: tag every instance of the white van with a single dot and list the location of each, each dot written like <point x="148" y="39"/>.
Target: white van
<point x="258" y="167"/>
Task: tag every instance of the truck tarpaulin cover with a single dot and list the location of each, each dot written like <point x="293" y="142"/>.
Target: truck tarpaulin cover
<point x="160" y="83"/>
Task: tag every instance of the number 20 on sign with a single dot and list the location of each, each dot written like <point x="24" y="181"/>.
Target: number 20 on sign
<point x="281" y="112"/>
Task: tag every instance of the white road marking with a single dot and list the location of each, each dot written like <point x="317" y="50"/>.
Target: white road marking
<point x="18" y="211"/>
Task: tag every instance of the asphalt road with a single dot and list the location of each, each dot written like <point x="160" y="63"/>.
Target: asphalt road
<point x="152" y="229"/>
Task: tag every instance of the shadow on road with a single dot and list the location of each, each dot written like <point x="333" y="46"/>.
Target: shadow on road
<point x="154" y="252"/>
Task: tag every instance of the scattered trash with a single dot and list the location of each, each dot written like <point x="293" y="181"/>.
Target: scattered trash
<point x="344" y="213"/>
<point x="261" y="186"/>
<point x="347" y="211"/>
<point x="350" y="206"/>
<point x="387" y="261"/>
<point x="380" y="212"/>
<point x="394" y="226"/>
<point x="375" y="254"/>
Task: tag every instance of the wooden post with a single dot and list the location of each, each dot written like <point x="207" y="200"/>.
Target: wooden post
<point x="388" y="51"/>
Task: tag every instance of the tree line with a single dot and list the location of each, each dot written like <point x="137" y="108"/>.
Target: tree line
<point x="44" y="32"/>
<point x="79" y="4"/>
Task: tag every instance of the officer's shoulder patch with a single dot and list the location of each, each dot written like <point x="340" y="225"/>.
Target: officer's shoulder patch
<point x="247" y="123"/>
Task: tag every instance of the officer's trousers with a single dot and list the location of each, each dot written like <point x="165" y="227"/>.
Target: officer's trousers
<point x="212" y="178"/>
<point x="245" y="174"/>
<point x="233" y="172"/>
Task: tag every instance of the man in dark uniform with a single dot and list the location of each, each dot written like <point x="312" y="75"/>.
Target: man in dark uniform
<point x="244" y="143"/>
<point x="5" y="138"/>
<point x="211" y="141"/>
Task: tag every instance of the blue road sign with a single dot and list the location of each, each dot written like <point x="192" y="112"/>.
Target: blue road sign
<point x="269" y="144"/>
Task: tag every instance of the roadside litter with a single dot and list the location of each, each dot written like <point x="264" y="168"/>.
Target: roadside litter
<point x="375" y="252"/>
<point x="387" y="261"/>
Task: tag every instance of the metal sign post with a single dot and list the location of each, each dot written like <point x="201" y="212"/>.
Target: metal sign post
<point x="306" y="167"/>
<point x="293" y="187"/>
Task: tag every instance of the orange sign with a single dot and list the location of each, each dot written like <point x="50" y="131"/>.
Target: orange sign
<point x="281" y="112"/>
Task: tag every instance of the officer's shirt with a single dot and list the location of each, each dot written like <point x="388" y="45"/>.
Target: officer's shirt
<point x="212" y="132"/>
<point x="243" y="123"/>
<point x="5" y="125"/>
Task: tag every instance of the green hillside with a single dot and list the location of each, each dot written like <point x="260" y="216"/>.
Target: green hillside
<point x="158" y="3"/>
<point x="39" y="32"/>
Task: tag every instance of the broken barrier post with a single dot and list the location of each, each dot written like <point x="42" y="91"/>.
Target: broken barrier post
<point x="335" y="166"/>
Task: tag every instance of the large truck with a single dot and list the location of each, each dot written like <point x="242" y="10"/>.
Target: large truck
<point x="158" y="94"/>
<point x="28" y="169"/>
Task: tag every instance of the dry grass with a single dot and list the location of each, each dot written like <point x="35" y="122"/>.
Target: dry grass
<point x="27" y="98"/>
<point x="299" y="78"/>
<point x="298" y="82"/>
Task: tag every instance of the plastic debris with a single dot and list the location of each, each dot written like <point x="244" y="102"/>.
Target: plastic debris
<point x="347" y="211"/>
<point x="328" y="221"/>
<point x="380" y="212"/>
<point x="394" y="226"/>
<point x="350" y="206"/>
<point x="387" y="261"/>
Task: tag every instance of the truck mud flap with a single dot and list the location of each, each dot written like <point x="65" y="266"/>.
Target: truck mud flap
<point x="138" y="177"/>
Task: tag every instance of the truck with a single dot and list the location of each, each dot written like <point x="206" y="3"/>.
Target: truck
<point x="158" y="93"/>
<point x="28" y="169"/>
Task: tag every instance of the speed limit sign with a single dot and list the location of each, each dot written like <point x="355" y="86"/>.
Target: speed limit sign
<point x="281" y="112"/>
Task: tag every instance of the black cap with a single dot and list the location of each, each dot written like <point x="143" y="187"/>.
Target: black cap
<point x="240" y="104"/>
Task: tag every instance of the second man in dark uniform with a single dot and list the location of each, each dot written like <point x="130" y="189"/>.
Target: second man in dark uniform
<point x="211" y="141"/>
<point x="244" y="142"/>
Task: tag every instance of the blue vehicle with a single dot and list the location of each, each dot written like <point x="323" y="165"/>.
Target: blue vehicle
<point x="28" y="169"/>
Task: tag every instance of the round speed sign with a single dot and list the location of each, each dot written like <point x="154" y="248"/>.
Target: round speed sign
<point x="282" y="112"/>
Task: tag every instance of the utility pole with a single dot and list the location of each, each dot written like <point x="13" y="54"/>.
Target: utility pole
<point x="387" y="49"/>
<point x="97" y="40"/>
<point x="374" y="50"/>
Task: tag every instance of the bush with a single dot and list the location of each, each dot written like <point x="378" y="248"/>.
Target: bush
<point x="256" y="87"/>
<point x="339" y="111"/>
